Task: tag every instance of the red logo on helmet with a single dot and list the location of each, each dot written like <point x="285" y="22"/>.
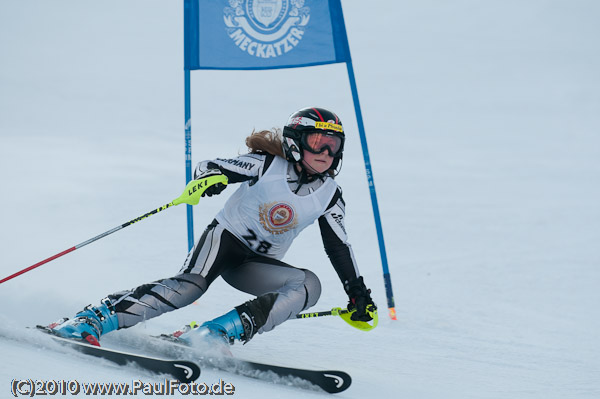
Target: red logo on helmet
<point x="296" y="121"/>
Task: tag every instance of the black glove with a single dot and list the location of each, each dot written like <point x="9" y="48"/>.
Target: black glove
<point x="359" y="299"/>
<point x="216" y="188"/>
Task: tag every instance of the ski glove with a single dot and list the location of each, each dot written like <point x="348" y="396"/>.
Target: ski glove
<point x="359" y="299"/>
<point x="215" y="189"/>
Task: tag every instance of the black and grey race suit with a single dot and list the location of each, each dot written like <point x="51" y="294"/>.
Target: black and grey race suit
<point x="246" y="241"/>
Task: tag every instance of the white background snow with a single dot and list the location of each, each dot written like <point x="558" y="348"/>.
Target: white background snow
<point x="483" y="124"/>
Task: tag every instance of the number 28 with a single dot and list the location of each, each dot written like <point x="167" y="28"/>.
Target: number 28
<point x="260" y="246"/>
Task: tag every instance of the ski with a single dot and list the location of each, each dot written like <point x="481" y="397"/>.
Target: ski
<point x="331" y="381"/>
<point x="183" y="370"/>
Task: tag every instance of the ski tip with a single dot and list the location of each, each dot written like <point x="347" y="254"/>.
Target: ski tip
<point x="335" y="381"/>
<point x="186" y="371"/>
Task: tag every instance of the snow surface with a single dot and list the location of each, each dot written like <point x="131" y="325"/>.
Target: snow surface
<point x="483" y="127"/>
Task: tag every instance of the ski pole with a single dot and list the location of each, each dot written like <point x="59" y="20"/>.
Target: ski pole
<point x="332" y="312"/>
<point x="191" y="195"/>
<point x="346" y="315"/>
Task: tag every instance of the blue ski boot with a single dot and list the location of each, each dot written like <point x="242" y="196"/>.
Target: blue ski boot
<point x="221" y="331"/>
<point x="89" y="324"/>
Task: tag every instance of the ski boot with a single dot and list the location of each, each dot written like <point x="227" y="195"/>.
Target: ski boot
<point x="218" y="333"/>
<point x="89" y="324"/>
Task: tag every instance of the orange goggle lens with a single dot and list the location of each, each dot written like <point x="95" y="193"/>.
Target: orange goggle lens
<point x="319" y="142"/>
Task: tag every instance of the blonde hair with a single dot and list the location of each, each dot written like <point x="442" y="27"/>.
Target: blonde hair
<point x="265" y="141"/>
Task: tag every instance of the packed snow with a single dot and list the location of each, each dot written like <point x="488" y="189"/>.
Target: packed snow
<point x="483" y="125"/>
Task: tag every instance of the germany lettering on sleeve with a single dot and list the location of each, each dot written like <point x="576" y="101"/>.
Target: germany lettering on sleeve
<point x="239" y="163"/>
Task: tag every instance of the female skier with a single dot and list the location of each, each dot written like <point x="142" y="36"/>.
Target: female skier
<point x="286" y="186"/>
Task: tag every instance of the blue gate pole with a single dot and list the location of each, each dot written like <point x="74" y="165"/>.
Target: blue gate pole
<point x="363" y="141"/>
<point x="188" y="156"/>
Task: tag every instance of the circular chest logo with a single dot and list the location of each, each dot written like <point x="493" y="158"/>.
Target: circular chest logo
<point x="278" y="217"/>
<point x="266" y="28"/>
<point x="281" y="214"/>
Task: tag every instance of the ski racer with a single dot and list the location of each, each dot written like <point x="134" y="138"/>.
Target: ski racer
<point x="287" y="183"/>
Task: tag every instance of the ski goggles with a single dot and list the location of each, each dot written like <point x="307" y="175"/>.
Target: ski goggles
<point x="319" y="142"/>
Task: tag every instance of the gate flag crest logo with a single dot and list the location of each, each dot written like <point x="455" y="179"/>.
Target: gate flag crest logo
<point x="263" y="34"/>
<point x="266" y="28"/>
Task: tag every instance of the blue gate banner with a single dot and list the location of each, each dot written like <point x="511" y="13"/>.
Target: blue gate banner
<point x="263" y="34"/>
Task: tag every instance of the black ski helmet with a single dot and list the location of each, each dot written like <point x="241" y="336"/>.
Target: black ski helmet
<point x="312" y="120"/>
